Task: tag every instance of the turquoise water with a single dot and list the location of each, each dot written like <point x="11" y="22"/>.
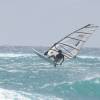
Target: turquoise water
<point x="25" y="76"/>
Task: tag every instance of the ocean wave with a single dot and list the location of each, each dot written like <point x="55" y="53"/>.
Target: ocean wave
<point x="91" y="77"/>
<point x="11" y="95"/>
<point x="90" y="85"/>
<point x="20" y="95"/>
<point x="15" y="55"/>
<point x="89" y="57"/>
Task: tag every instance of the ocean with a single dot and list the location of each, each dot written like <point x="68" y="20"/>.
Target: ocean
<point x="25" y="76"/>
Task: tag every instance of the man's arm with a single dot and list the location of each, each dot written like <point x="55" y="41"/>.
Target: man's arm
<point x="62" y="60"/>
<point x="46" y="53"/>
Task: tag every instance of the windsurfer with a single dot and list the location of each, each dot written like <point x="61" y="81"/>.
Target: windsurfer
<point x="59" y="57"/>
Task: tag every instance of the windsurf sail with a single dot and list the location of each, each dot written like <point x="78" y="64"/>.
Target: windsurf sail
<point x="73" y="42"/>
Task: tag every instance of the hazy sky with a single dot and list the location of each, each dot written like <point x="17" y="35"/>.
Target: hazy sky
<point x="43" y="22"/>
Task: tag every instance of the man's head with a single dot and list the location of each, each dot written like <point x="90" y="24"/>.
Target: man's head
<point x="59" y="51"/>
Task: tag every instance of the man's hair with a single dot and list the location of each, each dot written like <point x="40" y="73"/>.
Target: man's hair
<point x="59" y="51"/>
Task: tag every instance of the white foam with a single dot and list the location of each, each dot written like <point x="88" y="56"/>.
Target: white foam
<point x="92" y="77"/>
<point x="56" y="84"/>
<point x="89" y="57"/>
<point x="14" y="55"/>
<point x="45" y="86"/>
<point x="11" y="95"/>
<point x="42" y="97"/>
<point x="97" y="81"/>
<point x="20" y="95"/>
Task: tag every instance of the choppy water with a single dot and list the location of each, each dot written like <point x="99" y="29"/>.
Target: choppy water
<point x="25" y="76"/>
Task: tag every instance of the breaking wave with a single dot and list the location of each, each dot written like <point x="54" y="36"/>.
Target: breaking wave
<point x="89" y="57"/>
<point x="20" y="95"/>
<point x="15" y="55"/>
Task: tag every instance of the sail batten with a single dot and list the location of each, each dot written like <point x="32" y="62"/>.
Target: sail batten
<point x="76" y="39"/>
<point x="84" y="32"/>
<point x="69" y="46"/>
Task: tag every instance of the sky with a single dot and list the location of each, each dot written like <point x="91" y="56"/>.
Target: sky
<point x="43" y="22"/>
